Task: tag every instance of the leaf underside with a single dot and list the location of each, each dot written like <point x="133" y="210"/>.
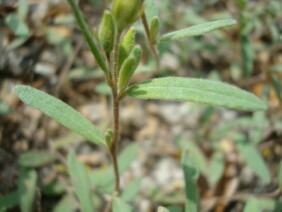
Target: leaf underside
<point x="197" y="30"/>
<point x="197" y="90"/>
<point x="59" y="111"/>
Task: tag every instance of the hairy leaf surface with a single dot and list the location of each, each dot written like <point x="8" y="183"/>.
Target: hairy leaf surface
<point x="197" y="30"/>
<point x="197" y="90"/>
<point x="59" y="111"/>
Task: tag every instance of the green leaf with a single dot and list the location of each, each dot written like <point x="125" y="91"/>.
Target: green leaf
<point x="259" y="204"/>
<point x="131" y="191"/>
<point x="277" y="88"/>
<point x="23" y="9"/>
<point x="197" y="30"/>
<point x="197" y="152"/>
<point x="191" y="174"/>
<point x="36" y="158"/>
<point x="280" y="175"/>
<point x="252" y="205"/>
<point x="252" y="158"/>
<point x="174" y="209"/>
<point x="104" y="179"/>
<point x="199" y="156"/>
<point x="80" y="182"/>
<point x="27" y="189"/>
<point x="119" y="205"/>
<point x="216" y="167"/>
<point x="9" y="201"/>
<point x="67" y="203"/>
<point x="16" y="43"/>
<point x="103" y="88"/>
<point x="247" y="56"/>
<point x="60" y="111"/>
<point x="197" y="90"/>
<point x="17" y="25"/>
<point x="162" y="209"/>
<point x="54" y="188"/>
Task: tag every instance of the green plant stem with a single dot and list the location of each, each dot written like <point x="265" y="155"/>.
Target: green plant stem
<point x="115" y="107"/>
<point x="88" y="36"/>
<point x="151" y="43"/>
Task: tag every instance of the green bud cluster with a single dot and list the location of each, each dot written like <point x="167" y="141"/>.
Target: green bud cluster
<point x="123" y="14"/>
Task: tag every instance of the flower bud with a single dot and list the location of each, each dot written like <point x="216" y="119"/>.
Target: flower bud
<point x="106" y="32"/>
<point x="126" y="12"/>
<point x="128" y="68"/>
<point x="154" y="28"/>
<point x="126" y="46"/>
<point x="109" y="138"/>
<point x="137" y="53"/>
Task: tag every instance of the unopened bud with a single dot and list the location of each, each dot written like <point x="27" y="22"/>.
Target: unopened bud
<point x="154" y="28"/>
<point x="109" y="138"/>
<point x="106" y="32"/>
<point x="129" y="67"/>
<point x="126" y="12"/>
<point x="126" y="46"/>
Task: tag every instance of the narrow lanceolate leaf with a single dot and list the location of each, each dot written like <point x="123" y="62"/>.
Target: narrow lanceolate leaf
<point x="36" y="158"/>
<point x="197" y="90"/>
<point x="197" y="30"/>
<point x="120" y="205"/>
<point x="216" y="167"/>
<point x="80" y="183"/>
<point x="191" y="174"/>
<point x="27" y="189"/>
<point x="252" y="157"/>
<point x="59" y="111"/>
<point x="130" y="192"/>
